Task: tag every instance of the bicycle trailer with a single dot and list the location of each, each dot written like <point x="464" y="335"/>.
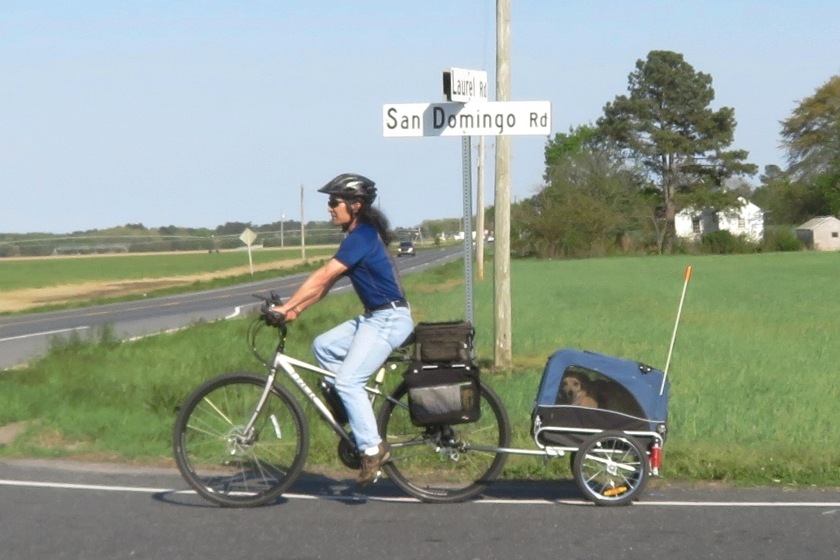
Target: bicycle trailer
<point x="583" y="392"/>
<point x="610" y="414"/>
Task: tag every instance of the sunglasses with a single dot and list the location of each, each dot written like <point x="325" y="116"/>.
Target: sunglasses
<point x="334" y="202"/>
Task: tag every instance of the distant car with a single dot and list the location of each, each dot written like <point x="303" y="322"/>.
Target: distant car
<point x="406" y="248"/>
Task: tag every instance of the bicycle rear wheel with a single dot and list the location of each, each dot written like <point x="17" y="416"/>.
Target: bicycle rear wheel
<point x="227" y="465"/>
<point x="444" y="464"/>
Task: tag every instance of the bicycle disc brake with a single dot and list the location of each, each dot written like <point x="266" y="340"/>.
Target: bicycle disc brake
<point x="240" y="443"/>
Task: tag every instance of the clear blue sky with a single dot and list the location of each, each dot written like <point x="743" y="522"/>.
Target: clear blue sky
<point x="198" y="113"/>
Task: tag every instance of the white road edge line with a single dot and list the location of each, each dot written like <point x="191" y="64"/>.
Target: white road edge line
<point x="236" y="311"/>
<point x="45" y="333"/>
<point x="742" y="504"/>
<point x="150" y="490"/>
<point x="62" y="485"/>
<point x="150" y="335"/>
<point x="362" y="498"/>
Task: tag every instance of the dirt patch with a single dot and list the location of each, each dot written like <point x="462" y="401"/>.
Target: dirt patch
<point x="9" y="432"/>
<point x="21" y="300"/>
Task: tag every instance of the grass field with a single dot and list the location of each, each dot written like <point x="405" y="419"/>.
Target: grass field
<point x="753" y="397"/>
<point x="44" y="272"/>
<point x="52" y="283"/>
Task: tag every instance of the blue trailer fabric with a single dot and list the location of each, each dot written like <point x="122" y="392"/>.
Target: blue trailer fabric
<point x="642" y="382"/>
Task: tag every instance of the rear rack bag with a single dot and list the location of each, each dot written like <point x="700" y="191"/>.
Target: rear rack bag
<point x="448" y="342"/>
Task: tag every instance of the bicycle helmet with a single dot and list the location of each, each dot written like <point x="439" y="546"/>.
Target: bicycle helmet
<point x="351" y="186"/>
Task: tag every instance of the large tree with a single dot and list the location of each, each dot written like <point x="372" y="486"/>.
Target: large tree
<point x="665" y="124"/>
<point x="811" y="136"/>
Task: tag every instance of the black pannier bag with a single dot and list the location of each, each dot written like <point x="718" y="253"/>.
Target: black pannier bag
<point x="449" y="342"/>
<point x="443" y="394"/>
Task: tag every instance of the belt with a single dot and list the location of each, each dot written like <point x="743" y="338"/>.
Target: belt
<point x="389" y="305"/>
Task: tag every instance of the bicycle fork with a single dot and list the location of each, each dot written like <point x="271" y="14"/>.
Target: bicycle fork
<point x="247" y="434"/>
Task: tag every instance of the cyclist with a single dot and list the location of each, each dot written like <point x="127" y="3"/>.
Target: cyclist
<point x="355" y="349"/>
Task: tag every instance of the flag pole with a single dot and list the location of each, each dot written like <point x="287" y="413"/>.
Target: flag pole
<point x="686" y="277"/>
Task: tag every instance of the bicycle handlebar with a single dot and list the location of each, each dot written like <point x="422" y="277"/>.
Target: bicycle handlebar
<point x="271" y="317"/>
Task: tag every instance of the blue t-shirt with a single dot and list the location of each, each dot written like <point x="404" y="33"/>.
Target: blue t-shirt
<point x="371" y="268"/>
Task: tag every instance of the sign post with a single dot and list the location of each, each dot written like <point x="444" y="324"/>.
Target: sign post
<point x="466" y="154"/>
<point x="248" y="237"/>
<point x="462" y="86"/>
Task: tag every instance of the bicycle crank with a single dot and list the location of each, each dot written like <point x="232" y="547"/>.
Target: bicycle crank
<point x="349" y="455"/>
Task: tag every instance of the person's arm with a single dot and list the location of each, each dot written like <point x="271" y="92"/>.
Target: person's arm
<point x="315" y="287"/>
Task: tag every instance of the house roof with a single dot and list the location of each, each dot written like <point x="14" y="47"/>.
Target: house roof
<point x="745" y="204"/>
<point x="814" y="223"/>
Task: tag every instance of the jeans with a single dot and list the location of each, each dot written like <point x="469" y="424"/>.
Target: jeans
<point x="354" y="351"/>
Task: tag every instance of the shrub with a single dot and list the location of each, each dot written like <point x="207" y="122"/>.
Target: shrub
<point x="724" y="243"/>
<point x="780" y="239"/>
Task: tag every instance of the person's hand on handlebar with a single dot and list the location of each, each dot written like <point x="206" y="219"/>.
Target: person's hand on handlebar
<point x="273" y="316"/>
<point x="289" y="313"/>
<point x="271" y="310"/>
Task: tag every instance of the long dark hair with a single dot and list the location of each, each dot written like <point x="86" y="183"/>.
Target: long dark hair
<point x="370" y="215"/>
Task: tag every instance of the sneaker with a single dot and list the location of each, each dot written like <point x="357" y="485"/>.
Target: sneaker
<point x="371" y="465"/>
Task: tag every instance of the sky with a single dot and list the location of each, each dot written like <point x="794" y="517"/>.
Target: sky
<point x="195" y="114"/>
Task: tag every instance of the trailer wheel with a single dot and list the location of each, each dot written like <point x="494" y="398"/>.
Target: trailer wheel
<point x="611" y="468"/>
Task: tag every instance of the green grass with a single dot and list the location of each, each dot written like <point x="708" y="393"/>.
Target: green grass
<point x="753" y="397"/>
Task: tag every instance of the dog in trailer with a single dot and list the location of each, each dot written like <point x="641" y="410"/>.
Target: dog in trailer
<point x="576" y="390"/>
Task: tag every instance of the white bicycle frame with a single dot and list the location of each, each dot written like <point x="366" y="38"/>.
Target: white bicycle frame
<point x="287" y="364"/>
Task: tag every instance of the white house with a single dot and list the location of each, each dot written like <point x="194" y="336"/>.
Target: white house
<point x="747" y="219"/>
<point x="821" y="233"/>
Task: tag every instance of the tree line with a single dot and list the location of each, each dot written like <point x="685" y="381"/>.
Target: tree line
<point x="137" y="238"/>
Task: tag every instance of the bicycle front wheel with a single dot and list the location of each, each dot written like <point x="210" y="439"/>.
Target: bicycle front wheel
<point x="444" y="464"/>
<point x="229" y="464"/>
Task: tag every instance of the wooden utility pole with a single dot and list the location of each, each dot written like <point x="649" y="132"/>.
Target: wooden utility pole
<point x="503" y="356"/>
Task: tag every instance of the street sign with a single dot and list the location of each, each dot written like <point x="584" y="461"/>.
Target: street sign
<point x="493" y="118"/>
<point x="463" y="86"/>
<point x="248" y="237"/>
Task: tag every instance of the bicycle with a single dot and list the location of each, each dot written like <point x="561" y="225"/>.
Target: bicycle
<point x="242" y="439"/>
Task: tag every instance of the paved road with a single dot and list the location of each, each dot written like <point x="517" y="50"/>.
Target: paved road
<point x="25" y="336"/>
<point x="68" y="510"/>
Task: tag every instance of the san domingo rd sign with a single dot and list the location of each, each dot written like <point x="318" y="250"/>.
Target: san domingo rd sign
<point x="480" y="118"/>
